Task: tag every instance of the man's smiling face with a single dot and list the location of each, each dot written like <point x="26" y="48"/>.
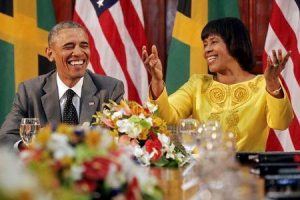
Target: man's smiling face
<point x="71" y="52"/>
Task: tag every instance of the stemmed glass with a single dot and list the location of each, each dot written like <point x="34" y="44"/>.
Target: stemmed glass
<point x="28" y="128"/>
<point x="187" y="132"/>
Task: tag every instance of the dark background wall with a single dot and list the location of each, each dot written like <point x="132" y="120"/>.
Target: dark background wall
<point x="159" y="17"/>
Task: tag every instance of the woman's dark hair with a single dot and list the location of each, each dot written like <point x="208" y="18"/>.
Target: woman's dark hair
<point x="236" y="37"/>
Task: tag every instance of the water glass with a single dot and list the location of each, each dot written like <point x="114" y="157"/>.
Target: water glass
<point x="187" y="132"/>
<point x="28" y="128"/>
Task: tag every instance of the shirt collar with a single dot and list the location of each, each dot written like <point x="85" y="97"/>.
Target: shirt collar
<point x="62" y="88"/>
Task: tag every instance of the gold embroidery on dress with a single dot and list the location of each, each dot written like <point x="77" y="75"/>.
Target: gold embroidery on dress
<point x="232" y="121"/>
<point x="240" y="95"/>
<point x="253" y="84"/>
<point x="214" y="117"/>
<point x="217" y="94"/>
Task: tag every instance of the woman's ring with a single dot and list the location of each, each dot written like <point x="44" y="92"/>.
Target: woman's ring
<point x="276" y="65"/>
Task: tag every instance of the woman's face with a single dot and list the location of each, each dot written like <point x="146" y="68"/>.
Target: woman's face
<point x="216" y="54"/>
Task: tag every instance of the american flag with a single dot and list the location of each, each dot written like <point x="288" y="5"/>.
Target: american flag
<point x="116" y="35"/>
<point x="284" y="33"/>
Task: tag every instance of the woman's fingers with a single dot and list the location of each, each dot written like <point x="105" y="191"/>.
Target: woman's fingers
<point x="275" y="59"/>
<point x="154" y="51"/>
<point x="144" y="54"/>
<point x="286" y="57"/>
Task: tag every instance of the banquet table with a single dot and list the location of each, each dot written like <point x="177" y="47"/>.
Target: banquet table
<point x="171" y="180"/>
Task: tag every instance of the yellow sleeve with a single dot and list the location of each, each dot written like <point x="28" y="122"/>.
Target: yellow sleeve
<point x="279" y="111"/>
<point x="177" y="106"/>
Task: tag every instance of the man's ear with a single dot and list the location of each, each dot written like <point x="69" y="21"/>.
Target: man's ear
<point x="49" y="53"/>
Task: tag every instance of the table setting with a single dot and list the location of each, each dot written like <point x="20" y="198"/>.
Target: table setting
<point x="129" y="152"/>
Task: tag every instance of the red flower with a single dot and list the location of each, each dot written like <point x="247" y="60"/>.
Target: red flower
<point x="133" y="190"/>
<point x="153" y="144"/>
<point x="86" y="185"/>
<point x="97" y="168"/>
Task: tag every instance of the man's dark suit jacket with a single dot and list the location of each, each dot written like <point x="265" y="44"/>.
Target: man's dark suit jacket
<point x="39" y="98"/>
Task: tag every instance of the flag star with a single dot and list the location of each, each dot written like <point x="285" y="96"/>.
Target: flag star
<point x="100" y="3"/>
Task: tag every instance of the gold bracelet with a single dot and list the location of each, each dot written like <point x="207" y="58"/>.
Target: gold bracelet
<point x="276" y="92"/>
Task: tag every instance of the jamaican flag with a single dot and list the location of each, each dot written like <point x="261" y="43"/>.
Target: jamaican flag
<point x="185" y="55"/>
<point x="23" y="38"/>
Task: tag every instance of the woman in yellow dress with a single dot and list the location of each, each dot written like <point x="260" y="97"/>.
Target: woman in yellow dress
<point x="244" y="103"/>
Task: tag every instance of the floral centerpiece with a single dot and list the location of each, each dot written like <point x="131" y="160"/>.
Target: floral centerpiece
<point x="87" y="164"/>
<point x="141" y="127"/>
<point x="16" y="182"/>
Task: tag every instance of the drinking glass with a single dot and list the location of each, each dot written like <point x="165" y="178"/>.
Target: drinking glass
<point x="187" y="133"/>
<point x="28" y="128"/>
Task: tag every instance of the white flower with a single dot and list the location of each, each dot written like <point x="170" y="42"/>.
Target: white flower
<point x="138" y="151"/>
<point x="59" y="145"/>
<point x="152" y="107"/>
<point x="165" y="140"/>
<point x="170" y="151"/>
<point x="76" y="172"/>
<point x="14" y="178"/>
<point x="125" y="126"/>
<point x="106" y="139"/>
<point x="114" y="178"/>
<point x="117" y="115"/>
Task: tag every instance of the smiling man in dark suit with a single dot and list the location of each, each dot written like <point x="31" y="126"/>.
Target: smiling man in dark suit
<point x="45" y="97"/>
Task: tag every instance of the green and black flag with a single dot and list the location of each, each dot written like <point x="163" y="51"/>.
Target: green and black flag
<point x="23" y="39"/>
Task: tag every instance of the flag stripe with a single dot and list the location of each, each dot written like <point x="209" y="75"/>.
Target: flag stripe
<point x="287" y="37"/>
<point x="273" y="143"/>
<point x="116" y="28"/>
<point x="291" y="13"/>
<point x="45" y="19"/>
<point x="113" y="37"/>
<point x="7" y="88"/>
<point x="95" y="57"/>
<point x="111" y="67"/>
<point x="288" y="72"/>
<point x="139" y="10"/>
<point x="135" y="66"/>
<point x="6" y="7"/>
<point x="134" y="31"/>
<point x="282" y="34"/>
<point x="184" y="7"/>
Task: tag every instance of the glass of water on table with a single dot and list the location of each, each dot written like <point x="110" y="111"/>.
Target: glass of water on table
<point x="28" y="129"/>
<point x="187" y="132"/>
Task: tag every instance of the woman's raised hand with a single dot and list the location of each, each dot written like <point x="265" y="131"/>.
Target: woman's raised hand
<point x="152" y="63"/>
<point x="273" y="70"/>
<point x="154" y="67"/>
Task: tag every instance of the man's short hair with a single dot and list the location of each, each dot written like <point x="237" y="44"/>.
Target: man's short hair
<point x="60" y="26"/>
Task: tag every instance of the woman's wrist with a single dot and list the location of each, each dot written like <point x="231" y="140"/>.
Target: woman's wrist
<point x="277" y="93"/>
<point x="156" y="88"/>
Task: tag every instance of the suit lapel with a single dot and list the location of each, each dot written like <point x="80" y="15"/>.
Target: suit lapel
<point x="91" y="98"/>
<point x="50" y="100"/>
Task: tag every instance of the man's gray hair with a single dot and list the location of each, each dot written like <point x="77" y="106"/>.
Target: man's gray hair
<point x="60" y="26"/>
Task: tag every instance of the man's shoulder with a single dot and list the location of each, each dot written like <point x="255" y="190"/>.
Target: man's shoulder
<point x="39" y="79"/>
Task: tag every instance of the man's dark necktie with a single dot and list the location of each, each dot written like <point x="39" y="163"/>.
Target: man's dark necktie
<point x="70" y="114"/>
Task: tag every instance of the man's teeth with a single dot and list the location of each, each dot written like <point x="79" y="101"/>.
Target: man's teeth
<point x="211" y="59"/>
<point x="76" y="62"/>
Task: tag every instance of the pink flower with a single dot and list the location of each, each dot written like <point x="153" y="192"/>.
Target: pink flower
<point x="125" y="139"/>
<point x="108" y="122"/>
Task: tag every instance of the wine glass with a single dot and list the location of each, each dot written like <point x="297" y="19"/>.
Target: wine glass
<point x="28" y="128"/>
<point x="187" y="133"/>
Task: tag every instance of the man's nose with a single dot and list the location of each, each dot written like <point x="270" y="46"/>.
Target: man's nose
<point x="77" y="50"/>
